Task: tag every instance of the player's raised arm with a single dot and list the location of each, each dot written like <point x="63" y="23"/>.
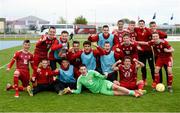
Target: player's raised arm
<point x="115" y="67"/>
<point x="138" y="63"/>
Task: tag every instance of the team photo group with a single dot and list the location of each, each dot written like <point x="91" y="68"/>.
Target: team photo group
<point x="107" y="63"/>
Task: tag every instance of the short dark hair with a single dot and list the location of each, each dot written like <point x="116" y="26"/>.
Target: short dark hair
<point x="152" y="22"/>
<point x="127" y="57"/>
<point x="106" y="42"/>
<point x="105" y="26"/>
<point x="120" y="21"/>
<point x="132" y="22"/>
<point x="141" y="21"/>
<point x="44" y="59"/>
<point x="52" y="27"/>
<point x="64" y="32"/>
<point x="155" y="33"/>
<point x="26" y="41"/>
<point x="64" y="58"/>
<point x="76" y="42"/>
<point x="82" y="65"/>
<point x="86" y="43"/>
<point x="126" y="34"/>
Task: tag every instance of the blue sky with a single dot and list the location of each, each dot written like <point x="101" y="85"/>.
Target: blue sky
<point x="94" y="10"/>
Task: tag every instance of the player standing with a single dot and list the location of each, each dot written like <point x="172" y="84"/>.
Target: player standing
<point x="164" y="57"/>
<point x="42" y="47"/>
<point x="59" y="49"/>
<point x="145" y="53"/>
<point x="103" y="37"/>
<point x="162" y="35"/>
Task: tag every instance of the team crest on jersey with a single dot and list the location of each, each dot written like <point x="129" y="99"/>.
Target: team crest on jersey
<point x="127" y="52"/>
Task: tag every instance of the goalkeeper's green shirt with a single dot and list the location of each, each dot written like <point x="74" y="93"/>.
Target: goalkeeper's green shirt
<point x="92" y="80"/>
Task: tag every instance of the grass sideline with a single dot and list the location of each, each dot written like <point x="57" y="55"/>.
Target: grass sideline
<point x="87" y="102"/>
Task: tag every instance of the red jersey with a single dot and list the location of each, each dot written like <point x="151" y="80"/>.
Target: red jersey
<point x="117" y="55"/>
<point x="75" y="62"/>
<point x="45" y="76"/>
<point x="133" y="35"/>
<point x="119" y="35"/>
<point x="143" y="35"/>
<point x="42" y="47"/>
<point x="162" y="35"/>
<point x="55" y="46"/>
<point x="22" y="60"/>
<point x="159" y="48"/>
<point x="128" y="75"/>
<point x="129" y="50"/>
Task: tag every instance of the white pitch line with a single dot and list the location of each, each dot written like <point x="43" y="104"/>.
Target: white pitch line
<point x="3" y="66"/>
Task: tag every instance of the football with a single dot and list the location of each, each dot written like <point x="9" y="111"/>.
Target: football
<point x="160" y="87"/>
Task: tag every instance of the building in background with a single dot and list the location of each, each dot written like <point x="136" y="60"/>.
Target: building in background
<point x="25" y="25"/>
<point x="2" y="25"/>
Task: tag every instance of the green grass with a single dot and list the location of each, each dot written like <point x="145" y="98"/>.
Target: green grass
<point x="86" y="101"/>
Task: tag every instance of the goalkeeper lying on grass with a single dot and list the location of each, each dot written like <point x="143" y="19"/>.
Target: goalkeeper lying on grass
<point x="97" y="83"/>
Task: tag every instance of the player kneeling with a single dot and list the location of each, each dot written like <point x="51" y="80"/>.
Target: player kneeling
<point x="128" y="74"/>
<point x="44" y="79"/>
<point x="22" y="58"/>
<point x="97" y="83"/>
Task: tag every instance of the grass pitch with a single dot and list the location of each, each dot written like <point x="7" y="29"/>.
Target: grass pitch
<point x="86" y="101"/>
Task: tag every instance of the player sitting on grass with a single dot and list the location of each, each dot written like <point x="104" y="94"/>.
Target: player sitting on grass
<point x="97" y="83"/>
<point x="44" y="79"/>
<point x="65" y="77"/>
<point x="22" y="59"/>
<point x="128" y="74"/>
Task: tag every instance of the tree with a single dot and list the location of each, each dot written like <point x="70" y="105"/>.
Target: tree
<point x="80" y="20"/>
<point x="61" y="21"/>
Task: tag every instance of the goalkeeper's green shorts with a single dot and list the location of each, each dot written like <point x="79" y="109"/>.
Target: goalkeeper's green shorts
<point x="107" y="88"/>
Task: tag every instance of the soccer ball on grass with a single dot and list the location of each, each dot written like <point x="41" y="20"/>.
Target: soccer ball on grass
<point x="160" y="87"/>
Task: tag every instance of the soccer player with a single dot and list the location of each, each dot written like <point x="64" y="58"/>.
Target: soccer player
<point x="128" y="73"/>
<point x="128" y="47"/>
<point x="77" y="61"/>
<point x="59" y="49"/>
<point x="44" y="79"/>
<point x="42" y="47"/>
<point x="107" y="58"/>
<point x="65" y="77"/>
<point x="97" y="83"/>
<point x="162" y="35"/>
<point x="103" y="37"/>
<point x="118" y="33"/>
<point x="145" y="53"/>
<point x="164" y="57"/>
<point x="22" y="58"/>
<point x="88" y="55"/>
<point x="163" y="52"/>
<point x="131" y="31"/>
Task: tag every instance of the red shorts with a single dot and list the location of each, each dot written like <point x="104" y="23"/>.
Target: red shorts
<point x="164" y="61"/>
<point x="24" y="77"/>
<point x="128" y="85"/>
